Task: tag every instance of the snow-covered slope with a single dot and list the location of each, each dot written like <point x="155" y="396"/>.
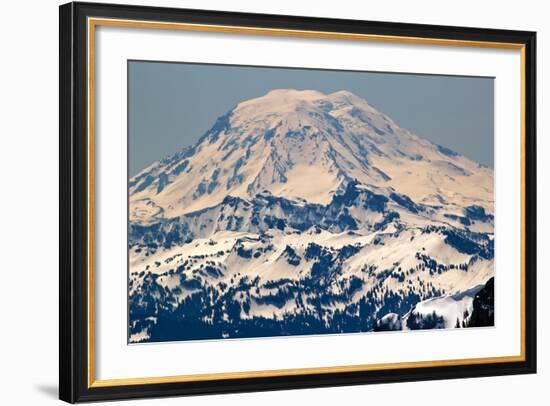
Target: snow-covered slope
<point x="281" y="141"/>
<point x="458" y="310"/>
<point x="306" y="213"/>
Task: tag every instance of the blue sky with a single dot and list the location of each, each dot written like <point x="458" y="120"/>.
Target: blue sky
<point x="172" y="104"/>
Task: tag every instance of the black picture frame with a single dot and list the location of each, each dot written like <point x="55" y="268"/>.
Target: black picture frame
<point x="74" y="385"/>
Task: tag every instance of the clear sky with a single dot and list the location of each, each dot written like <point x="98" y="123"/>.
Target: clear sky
<point x="172" y="104"/>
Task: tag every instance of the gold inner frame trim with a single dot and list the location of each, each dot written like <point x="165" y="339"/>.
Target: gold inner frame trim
<point x="94" y="22"/>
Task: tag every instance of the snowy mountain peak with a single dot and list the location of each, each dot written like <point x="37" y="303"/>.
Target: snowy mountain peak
<point x="300" y="212"/>
<point x="304" y="144"/>
<point x="303" y="103"/>
<point x="286" y="95"/>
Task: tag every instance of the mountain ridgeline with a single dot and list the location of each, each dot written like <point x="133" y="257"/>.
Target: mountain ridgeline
<point x="305" y="213"/>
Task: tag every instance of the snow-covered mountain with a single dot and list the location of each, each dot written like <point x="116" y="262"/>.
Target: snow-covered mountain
<point x="304" y="145"/>
<point x="301" y="213"/>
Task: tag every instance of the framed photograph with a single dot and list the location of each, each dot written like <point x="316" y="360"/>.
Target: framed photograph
<point x="256" y="202"/>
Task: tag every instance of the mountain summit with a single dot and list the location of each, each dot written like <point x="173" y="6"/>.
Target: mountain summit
<point x="305" y="145"/>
